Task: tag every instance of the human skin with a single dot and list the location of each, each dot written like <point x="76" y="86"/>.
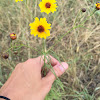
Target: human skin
<point x="26" y="82"/>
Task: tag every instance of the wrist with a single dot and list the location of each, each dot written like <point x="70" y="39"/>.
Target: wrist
<point x="3" y="97"/>
<point x="13" y="94"/>
<point x="4" y="93"/>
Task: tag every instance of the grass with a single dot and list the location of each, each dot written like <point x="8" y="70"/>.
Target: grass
<point x="79" y="47"/>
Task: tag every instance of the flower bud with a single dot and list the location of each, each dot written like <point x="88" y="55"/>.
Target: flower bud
<point x="98" y="6"/>
<point x="83" y="10"/>
<point x="5" y="56"/>
<point x="13" y="36"/>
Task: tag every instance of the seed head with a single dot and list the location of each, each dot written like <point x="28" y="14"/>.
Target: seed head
<point x="83" y="10"/>
<point x="5" y="56"/>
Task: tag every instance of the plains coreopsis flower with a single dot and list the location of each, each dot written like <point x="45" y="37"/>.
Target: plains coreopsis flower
<point x="13" y="36"/>
<point x="48" y="6"/>
<point x="40" y="28"/>
<point x="18" y="0"/>
<point x="98" y="5"/>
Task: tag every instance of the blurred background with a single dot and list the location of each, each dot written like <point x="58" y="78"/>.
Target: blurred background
<point x="80" y="48"/>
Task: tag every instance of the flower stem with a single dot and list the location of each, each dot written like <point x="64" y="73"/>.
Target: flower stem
<point x="88" y="17"/>
<point x="21" y="47"/>
<point x="63" y="36"/>
<point x="44" y="71"/>
<point x="28" y="10"/>
<point x="45" y="50"/>
<point x="74" y="27"/>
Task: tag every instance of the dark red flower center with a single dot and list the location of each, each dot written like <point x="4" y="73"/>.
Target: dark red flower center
<point x="40" y="28"/>
<point x="48" y="5"/>
<point x="14" y="34"/>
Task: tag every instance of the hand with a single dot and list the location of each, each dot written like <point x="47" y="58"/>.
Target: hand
<point x="26" y="83"/>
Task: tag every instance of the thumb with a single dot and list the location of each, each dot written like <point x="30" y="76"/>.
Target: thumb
<point x="58" y="69"/>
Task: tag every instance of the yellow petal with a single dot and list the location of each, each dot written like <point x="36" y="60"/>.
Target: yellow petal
<point x="47" y="32"/>
<point x="33" y="32"/>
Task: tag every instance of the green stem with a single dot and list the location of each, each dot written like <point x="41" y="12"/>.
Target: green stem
<point x="28" y="9"/>
<point x="1" y="76"/>
<point x="44" y="59"/>
<point x="63" y="36"/>
<point x="88" y="17"/>
<point x="26" y="1"/>
<point x="44" y="50"/>
<point x="77" y="17"/>
<point x="19" y="47"/>
<point x="80" y="25"/>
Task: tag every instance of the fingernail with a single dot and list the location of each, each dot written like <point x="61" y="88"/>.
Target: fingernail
<point x="63" y="66"/>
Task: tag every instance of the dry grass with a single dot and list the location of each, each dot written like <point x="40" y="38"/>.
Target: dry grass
<point x="80" y="48"/>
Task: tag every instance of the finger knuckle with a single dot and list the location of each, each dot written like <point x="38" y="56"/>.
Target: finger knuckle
<point x="29" y="60"/>
<point x="19" y="64"/>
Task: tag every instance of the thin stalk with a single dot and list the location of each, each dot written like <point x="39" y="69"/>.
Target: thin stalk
<point x="75" y="22"/>
<point x="44" y="51"/>
<point x="80" y="25"/>
<point x="88" y="17"/>
<point x="28" y="10"/>
<point x="77" y="17"/>
<point x="20" y="47"/>
<point x="26" y="1"/>
<point x="63" y="36"/>
<point x="1" y="76"/>
<point x="35" y="12"/>
<point x="44" y="72"/>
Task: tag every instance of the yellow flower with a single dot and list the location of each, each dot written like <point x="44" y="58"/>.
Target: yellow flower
<point x="18" y="0"/>
<point x="40" y="28"/>
<point x="48" y="6"/>
<point x="98" y="5"/>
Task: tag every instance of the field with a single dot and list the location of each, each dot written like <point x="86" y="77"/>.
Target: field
<point x="78" y="46"/>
